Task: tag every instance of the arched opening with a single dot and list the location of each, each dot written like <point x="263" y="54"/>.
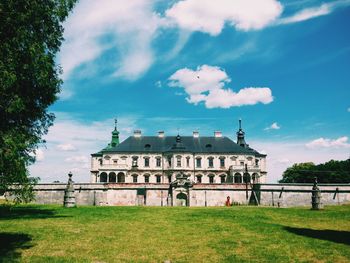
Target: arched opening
<point x="147" y="176"/>
<point x="237" y="178"/>
<point x="181" y="199"/>
<point x="211" y="178"/>
<point x="255" y="177"/>
<point x="121" y="177"/>
<point x="134" y="178"/>
<point x="112" y="177"/>
<point x="103" y="177"/>
<point x="178" y="160"/>
<point x="246" y="178"/>
<point x="210" y="162"/>
<point x="222" y="178"/>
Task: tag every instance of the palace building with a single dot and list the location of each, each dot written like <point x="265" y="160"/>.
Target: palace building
<point x="181" y="171"/>
<point x="162" y="159"/>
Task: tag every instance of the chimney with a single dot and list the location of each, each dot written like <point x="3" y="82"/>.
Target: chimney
<point x="137" y="133"/>
<point x="217" y="134"/>
<point x="161" y="134"/>
<point x="195" y="134"/>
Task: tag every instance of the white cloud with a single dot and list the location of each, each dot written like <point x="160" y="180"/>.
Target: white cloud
<point x="127" y="30"/>
<point x="86" y="137"/>
<point x="283" y="161"/>
<point x="273" y="126"/>
<point x="129" y="26"/>
<point x="281" y="155"/>
<point x="211" y="16"/>
<point x="307" y="14"/>
<point x="77" y="159"/>
<point x="66" y="147"/>
<point x="313" y="12"/>
<point x="207" y="84"/>
<point x="341" y="142"/>
<point x="38" y="154"/>
<point x="158" y="84"/>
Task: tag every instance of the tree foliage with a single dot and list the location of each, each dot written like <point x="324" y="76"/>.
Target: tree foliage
<point x="31" y="33"/>
<point x="329" y="172"/>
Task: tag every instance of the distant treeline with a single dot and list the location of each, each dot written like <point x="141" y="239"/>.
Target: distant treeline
<point x="329" y="172"/>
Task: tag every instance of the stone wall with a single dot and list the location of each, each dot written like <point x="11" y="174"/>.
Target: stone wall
<point x="128" y="194"/>
<point x="287" y="195"/>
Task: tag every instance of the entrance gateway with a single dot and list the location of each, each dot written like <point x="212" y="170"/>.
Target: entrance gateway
<point x="180" y="189"/>
<point x="181" y="199"/>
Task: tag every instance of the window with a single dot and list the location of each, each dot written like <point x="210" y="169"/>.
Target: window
<point x="199" y="179"/>
<point x="158" y="177"/>
<point x="169" y="161"/>
<point x="222" y="179"/>
<point x="188" y="161"/>
<point x="242" y="163"/>
<point x="246" y="178"/>
<point x="100" y="160"/>
<point x="134" y="161"/>
<point x="237" y="178"/>
<point x="256" y="162"/>
<point x="169" y="178"/>
<point x="198" y="162"/>
<point x="211" y="162"/>
<point x="146" y="178"/>
<point x="158" y="162"/>
<point x="222" y="162"/>
<point x="147" y="146"/>
<point x="103" y="177"/>
<point x="112" y="177"/>
<point x="134" y="178"/>
<point x="146" y="161"/>
<point x="211" y="179"/>
<point x="255" y="178"/>
<point x="121" y="177"/>
<point x="115" y="161"/>
<point x="178" y="161"/>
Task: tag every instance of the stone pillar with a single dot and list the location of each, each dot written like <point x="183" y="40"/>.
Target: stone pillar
<point x="316" y="197"/>
<point x="69" y="197"/>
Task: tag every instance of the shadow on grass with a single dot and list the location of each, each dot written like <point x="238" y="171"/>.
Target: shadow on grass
<point x="10" y="245"/>
<point x="342" y="237"/>
<point x="13" y="212"/>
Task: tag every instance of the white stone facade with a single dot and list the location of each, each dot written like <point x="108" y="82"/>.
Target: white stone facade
<point x="162" y="167"/>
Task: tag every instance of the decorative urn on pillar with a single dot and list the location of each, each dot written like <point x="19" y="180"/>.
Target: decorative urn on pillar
<point x="316" y="197"/>
<point x="69" y="197"/>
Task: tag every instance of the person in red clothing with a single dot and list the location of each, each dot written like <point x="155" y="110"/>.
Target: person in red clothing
<point x="228" y="203"/>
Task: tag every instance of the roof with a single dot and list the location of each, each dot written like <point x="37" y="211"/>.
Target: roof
<point x="188" y="144"/>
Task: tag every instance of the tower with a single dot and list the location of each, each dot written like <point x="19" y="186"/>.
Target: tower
<point x="240" y="136"/>
<point x="115" y="135"/>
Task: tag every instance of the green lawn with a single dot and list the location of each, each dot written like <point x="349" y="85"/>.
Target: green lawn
<point x="179" y="234"/>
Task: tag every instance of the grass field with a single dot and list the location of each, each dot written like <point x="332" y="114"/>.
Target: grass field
<point x="178" y="234"/>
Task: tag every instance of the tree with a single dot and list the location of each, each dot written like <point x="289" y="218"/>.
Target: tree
<point x="31" y="33"/>
<point x="329" y="172"/>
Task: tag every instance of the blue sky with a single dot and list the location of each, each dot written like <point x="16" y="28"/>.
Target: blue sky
<point x="281" y="66"/>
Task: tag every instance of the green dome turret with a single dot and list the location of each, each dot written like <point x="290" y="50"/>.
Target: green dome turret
<point x="115" y="136"/>
<point x="240" y="136"/>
